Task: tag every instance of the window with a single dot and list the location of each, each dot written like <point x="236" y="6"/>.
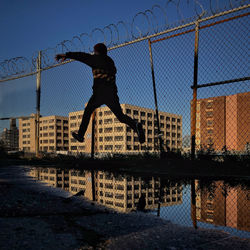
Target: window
<point x="149" y="140"/>
<point x="108" y="147"/>
<point x="173" y="119"/>
<point x="100" y="122"/>
<point x="173" y="127"/>
<point x="118" y="138"/>
<point x="108" y="138"/>
<point x="209" y="114"/>
<point x="108" y="130"/>
<point x="136" y="139"/>
<point x="143" y="113"/>
<point x="128" y="129"/>
<point x="100" y="113"/>
<point x="178" y="120"/>
<point x="101" y="147"/>
<point x="209" y="105"/>
<point x="209" y="123"/>
<point x="119" y="187"/>
<point x="108" y="121"/>
<point x="162" y="117"/>
<point x="128" y="111"/>
<point x="100" y="130"/>
<point x="149" y="132"/>
<point x="73" y="117"/>
<point x="51" y="134"/>
<point x="118" y="129"/>
<point x="59" y="141"/>
<point x="149" y="123"/>
<point x="119" y="196"/>
<point x="73" y="147"/>
<point x="108" y="112"/>
<point x="150" y="115"/>
<point x="100" y="138"/>
<point x="128" y="138"/>
<point x="51" y="141"/>
<point x="118" y="147"/>
<point x="210" y="131"/>
<point x="135" y="112"/>
<point x="168" y="119"/>
<point x="136" y="147"/>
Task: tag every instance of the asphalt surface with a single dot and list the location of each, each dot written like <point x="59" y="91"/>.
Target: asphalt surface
<point x="36" y="216"/>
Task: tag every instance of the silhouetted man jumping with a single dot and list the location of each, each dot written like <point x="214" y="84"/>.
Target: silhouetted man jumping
<point x="104" y="89"/>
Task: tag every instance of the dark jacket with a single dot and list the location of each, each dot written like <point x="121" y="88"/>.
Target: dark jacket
<point x="103" y="68"/>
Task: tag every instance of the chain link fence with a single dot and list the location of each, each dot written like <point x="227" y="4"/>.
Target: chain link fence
<point x="154" y="77"/>
<point x="188" y="86"/>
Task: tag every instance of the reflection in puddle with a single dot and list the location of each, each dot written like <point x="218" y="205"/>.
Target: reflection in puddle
<point x="194" y="202"/>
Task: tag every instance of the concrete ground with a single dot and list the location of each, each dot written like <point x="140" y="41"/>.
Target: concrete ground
<point x="35" y="216"/>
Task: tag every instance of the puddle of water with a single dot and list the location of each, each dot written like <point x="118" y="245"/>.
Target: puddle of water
<point x="217" y="204"/>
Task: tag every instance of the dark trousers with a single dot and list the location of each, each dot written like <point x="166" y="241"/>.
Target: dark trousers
<point x="108" y="96"/>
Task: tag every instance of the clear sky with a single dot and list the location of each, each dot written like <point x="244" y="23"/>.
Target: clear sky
<point x="28" y="26"/>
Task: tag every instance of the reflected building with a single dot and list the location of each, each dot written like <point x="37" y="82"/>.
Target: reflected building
<point x="117" y="192"/>
<point x="224" y="206"/>
<point x="52" y="176"/>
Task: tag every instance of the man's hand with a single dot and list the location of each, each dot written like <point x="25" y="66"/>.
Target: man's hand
<point x="61" y="57"/>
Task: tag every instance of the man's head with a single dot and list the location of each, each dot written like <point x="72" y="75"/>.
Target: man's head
<point x="100" y="49"/>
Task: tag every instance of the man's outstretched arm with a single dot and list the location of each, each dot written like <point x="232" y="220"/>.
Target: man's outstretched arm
<point x="79" y="56"/>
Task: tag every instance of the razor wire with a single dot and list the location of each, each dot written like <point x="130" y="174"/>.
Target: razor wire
<point x="143" y="24"/>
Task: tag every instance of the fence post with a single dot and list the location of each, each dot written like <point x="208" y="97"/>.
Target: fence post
<point x="193" y="121"/>
<point x="194" y="101"/>
<point x="155" y="98"/>
<point x="93" y="136"/>
<point x="38" y="98"/>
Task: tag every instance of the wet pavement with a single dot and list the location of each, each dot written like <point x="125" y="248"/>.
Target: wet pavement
<point x="37" y="216"/>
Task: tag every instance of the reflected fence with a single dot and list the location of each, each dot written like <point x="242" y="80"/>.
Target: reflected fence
<point x="199" y="203"/>
<point x="187" y="85"/>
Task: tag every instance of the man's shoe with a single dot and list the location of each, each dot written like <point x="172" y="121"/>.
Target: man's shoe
<point x="77" y="137"/>
<point x="140" y="132"/>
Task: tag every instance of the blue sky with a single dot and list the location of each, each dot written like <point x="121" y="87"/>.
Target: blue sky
<point x="29" y="26"/>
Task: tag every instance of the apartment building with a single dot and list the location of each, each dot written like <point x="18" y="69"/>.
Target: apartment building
<point x="10" y="137"/>
<point x="53" y="134"/>
<point x="224" y="121"/>
<point x="113" y="136"/>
